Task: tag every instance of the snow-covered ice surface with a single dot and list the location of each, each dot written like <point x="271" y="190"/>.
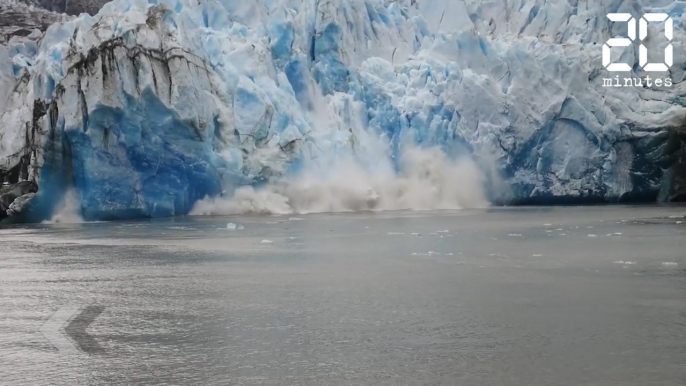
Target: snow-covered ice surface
<point x="147" y="108"/>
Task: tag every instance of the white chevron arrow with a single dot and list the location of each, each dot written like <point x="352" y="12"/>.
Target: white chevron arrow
<point x="51" y="330"/>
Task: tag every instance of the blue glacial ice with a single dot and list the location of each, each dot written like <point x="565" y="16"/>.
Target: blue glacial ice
<point x="153" y="108"/>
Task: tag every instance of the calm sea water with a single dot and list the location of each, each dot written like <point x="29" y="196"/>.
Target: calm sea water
<point x="525" y="296"/>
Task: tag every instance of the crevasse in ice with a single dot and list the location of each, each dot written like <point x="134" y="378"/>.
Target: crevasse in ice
<point x="149" y="106"/>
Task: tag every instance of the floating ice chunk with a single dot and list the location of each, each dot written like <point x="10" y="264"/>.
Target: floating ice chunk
<point x="446" y="231"/>
<point x="395" y="233"/>
<point x="430" y="253"/>
<point x="231" y="226"/>
<point x="416" y="234"/>
<point x="295" y="219"/>
<point x="515" y="235"/>
<point x="538" y="255"/>
<point x="670" y="264"/>
<point x="265" y="241"/>
<point x="592" y="235"/>
<point x="625" y="262"/>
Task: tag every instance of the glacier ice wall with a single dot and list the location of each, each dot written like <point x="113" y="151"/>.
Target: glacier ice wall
<point x="150" y="106"/>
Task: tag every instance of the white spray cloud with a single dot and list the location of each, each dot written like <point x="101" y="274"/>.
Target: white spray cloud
<point x="427" y="180"/>
<point x="68" y="211"/>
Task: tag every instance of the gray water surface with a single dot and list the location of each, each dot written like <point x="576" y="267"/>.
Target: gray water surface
<point x="524" y="296"/>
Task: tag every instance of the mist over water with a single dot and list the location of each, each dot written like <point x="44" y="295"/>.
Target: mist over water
<point x="426" y="180"/>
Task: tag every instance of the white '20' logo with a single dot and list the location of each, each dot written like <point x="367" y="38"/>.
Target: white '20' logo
<point x="642" y="33"/>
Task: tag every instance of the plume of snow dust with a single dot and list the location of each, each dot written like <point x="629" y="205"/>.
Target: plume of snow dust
<point x="426" y="180"/>
<point x="68" y="211"/>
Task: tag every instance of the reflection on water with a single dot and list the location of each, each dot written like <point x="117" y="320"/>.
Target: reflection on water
<point x="523" y="296"/>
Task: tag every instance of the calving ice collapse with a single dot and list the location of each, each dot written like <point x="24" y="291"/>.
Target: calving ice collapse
<point x="159" y="108"/>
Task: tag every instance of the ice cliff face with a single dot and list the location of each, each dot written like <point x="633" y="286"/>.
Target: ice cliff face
<point x="21" y="20"/>
<point x="148" y="107"/>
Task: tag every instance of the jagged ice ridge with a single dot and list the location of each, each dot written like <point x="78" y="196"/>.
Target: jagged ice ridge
<point x="148" y="107"/>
